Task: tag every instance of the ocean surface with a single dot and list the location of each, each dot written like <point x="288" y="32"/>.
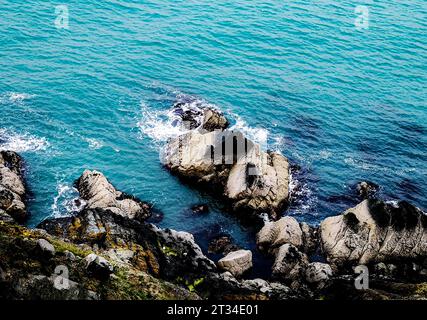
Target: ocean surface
<point x="344" y="104"/>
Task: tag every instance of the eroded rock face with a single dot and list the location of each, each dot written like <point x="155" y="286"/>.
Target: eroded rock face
<point x="12" y="187"/>
<point x="318" y="274"/>
<point x="236" y="262"/>
<point x="98" y="192"/>
<point x="375" y="231"/>
<point x="290" y="264"/>
<point x="161" y="252"/>
<point x="250" y="179"/>
<point x="275" y="234"/>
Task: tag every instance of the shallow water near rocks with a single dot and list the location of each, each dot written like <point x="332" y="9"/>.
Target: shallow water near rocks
<point x="344" y="105"/>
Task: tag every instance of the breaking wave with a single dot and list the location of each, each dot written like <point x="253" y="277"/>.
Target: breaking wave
<point x="21" y="142"/>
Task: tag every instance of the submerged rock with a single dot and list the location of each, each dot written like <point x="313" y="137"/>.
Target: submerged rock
<point x="251" y="180"/>
<point x="223" y="245"/>
<point x="200" y="209"/>
<point x="237" y="262"/>
<point x="95" y="189"/>
<point x="367" y="189"/>
<point x="375" y="231"/>
<point x="12" y="186"/>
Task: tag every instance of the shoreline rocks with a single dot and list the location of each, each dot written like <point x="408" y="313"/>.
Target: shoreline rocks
<point x="375" y="231"/>
<point x="98" y="192"/>
<point x="251" y="180"/>
<point x="112" y="252"/>
<point x="236" y="262"/>
<point x="12" y="187"/>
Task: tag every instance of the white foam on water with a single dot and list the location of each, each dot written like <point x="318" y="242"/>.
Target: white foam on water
<point x="21" y="142"/>
<point x="257" y="135"/>
<point x="15" y="97"/>
<point x="94" y="144"/>
<point x="161" y="125"/>
<point x="301" y="194"/>
<point x="67" y="201"/>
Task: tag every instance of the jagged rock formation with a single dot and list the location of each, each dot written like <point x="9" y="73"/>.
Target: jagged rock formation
<point x="375" y="231"/>
<point x="95" y="189"/>
<point x="12" y="186"/>
<point x="253" y="181"/>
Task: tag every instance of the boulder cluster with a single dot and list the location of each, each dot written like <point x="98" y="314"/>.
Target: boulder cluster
<point x="109" y="250"/>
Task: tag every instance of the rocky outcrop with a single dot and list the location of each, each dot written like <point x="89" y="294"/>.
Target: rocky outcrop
<point x="214" y="120"/>
<point x="98" y="266"/>
<point x="194" y="116"/>
<point x="12" y="186"/>
<point x="250" y="179"/>
<point x="375" y="231"/>
<point x="98" y="192"/>
<point x="26" y="274"/>
<point x="275" y="234"/>
<point x="46" y="249"/>
<point x="290" y="264"/>
<point x="236" y="262"/>
<point x="318" y="275"/>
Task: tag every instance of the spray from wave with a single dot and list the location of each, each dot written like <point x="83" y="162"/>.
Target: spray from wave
<point x="67" y="201"/>
<point x="24" y="142"/>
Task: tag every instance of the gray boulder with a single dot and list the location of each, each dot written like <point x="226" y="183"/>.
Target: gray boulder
<point x="318" y="274"/>
<point x="46" y="249"/>
<point x="98" y="192"/>
<point x="275" y="234"/>
<point x="237" y="262"/>
<point x="12" y="187"/>
<point x="289" y="264"/>
<point x="375" y="231"/>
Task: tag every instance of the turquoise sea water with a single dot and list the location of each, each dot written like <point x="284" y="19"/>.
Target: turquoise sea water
<point x="343" y="104"/>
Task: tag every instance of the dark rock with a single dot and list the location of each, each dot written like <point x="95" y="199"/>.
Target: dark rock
<point x="200" y="208"/>
<point x="98" y="266"/>
<point x="367" y="189"/>
<point x="222" y="245"/>
<point x="45" y="248"/>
